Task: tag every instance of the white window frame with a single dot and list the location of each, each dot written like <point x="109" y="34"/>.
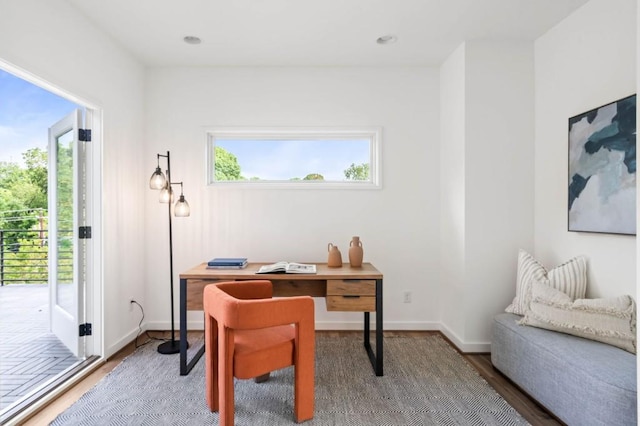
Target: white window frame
<point x="373" y="134"/>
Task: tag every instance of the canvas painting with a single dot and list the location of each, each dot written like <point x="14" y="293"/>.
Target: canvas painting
<point x="602" y="169"/>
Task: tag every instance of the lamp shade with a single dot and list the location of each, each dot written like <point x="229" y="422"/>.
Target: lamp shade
<point x="181" y="209"/>
<point x="166" y="194"/>
<point x="157" y="181"/>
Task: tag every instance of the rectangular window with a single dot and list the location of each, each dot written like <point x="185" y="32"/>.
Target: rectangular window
<point x="302" y="158"/>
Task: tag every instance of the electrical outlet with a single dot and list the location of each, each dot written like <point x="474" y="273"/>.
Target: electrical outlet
<point x="407" y="297"/>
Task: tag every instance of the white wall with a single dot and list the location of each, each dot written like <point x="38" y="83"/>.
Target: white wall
<point x="499" y="176"/>
<point x="587" y="60"/>
<point x="52" y="41"/>
<point x="452" y="190"/>
<point x="397" y="224"/>
<point x="487" y="187"/>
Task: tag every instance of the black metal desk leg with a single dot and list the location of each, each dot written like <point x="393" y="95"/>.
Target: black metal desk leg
<point x="183" y="327"/>
<point x="377" y="357"/>
<point x="185" y="366"/>
<point x="379" y="337"/>
<point x="367" y="330"/>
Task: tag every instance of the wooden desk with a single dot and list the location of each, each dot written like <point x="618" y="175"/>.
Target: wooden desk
<point x="345" y="289"/>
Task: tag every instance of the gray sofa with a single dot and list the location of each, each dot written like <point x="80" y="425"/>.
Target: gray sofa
<point x="582" y="382"/>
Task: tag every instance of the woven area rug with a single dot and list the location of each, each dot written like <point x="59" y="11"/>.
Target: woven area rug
<point x="426" y="382"/>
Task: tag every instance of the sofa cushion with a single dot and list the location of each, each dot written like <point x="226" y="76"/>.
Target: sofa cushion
<point x="570" y="278"/>
<point x="611" y="321"/>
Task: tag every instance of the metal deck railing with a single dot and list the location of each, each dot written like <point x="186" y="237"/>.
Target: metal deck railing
<point x="24" y="256"/>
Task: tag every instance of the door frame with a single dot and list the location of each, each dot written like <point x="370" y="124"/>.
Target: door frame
<point x="94" y="290"/>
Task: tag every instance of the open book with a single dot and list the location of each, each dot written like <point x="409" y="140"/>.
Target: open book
<point x="287" y="268"/>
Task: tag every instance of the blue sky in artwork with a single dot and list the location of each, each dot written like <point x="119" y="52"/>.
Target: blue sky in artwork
<point x="286" y="159"/>
<point x="26" y="113"/>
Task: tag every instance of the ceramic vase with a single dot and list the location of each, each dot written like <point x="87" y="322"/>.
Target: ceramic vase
<point x="335" y="257"/>
<point x="355" y="252"/>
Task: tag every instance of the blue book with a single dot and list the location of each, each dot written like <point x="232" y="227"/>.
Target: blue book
<point x="228" y="261"/>
<point x="228" y="267"/>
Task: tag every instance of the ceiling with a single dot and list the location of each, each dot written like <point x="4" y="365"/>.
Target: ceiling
<point x="315" y="32"/>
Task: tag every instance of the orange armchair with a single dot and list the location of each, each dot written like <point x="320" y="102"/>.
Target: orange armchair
<point x="248" y="334"/>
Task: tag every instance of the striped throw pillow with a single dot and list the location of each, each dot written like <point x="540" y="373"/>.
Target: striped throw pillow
<point x="569" y="278"/>
<point x="611" y="321"/>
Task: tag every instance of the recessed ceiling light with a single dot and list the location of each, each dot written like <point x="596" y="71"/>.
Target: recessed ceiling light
<point x="192" y="40"/>
<point x="387" y="39"/>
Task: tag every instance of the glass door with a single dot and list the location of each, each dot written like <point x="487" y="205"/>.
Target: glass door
<point x="65" y="206"/>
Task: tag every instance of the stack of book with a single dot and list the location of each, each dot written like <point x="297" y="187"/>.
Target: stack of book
<point x="227" y="263"/>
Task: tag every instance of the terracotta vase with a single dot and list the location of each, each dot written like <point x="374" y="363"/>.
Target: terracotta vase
<point x="335" y="257"/>
<point x="355" y="252"/>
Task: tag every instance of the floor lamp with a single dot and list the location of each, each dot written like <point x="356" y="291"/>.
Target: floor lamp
<point x="181" y="209"/>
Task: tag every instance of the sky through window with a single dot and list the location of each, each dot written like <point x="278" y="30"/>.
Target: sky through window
<point x="26" y="113"/>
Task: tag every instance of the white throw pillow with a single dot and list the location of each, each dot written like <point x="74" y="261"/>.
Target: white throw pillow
<point x="611" y="321"/>
<point x="570" y="278"/>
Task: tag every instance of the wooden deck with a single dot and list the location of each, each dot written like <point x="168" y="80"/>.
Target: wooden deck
<point x="30" y="355"/>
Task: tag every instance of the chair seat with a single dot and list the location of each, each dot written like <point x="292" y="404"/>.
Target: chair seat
<point x="258" y="352"/>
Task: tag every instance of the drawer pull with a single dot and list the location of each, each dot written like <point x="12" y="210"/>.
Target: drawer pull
<point x="350" y="296"/>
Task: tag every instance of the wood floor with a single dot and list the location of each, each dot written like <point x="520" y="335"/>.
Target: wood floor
<point x="527" y="408"/>
<point x="30" y="354"/>
<point x="531" y="411"/>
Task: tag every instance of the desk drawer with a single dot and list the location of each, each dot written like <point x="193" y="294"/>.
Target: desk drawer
<point x="351" y="288"/>
<point x="351" y="295"/>
<point x="351" y="303"/>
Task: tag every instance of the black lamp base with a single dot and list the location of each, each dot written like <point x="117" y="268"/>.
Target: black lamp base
<point x="170" y="347"/>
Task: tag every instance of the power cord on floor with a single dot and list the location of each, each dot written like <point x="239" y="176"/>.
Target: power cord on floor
<point x="140" y="332"/>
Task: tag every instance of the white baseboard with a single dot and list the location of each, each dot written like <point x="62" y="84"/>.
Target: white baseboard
<point x="467" y="347"/>
<point x="411" y="326"/>
<point x="166" y="325"/>
<point x="124" y="341"/>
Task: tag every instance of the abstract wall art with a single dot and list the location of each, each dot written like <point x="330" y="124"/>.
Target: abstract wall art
<point x="602" y="169"/>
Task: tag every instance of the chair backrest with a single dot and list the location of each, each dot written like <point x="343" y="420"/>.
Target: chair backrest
<point x="248" y="305"/>
<point x="254" y="289"/>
